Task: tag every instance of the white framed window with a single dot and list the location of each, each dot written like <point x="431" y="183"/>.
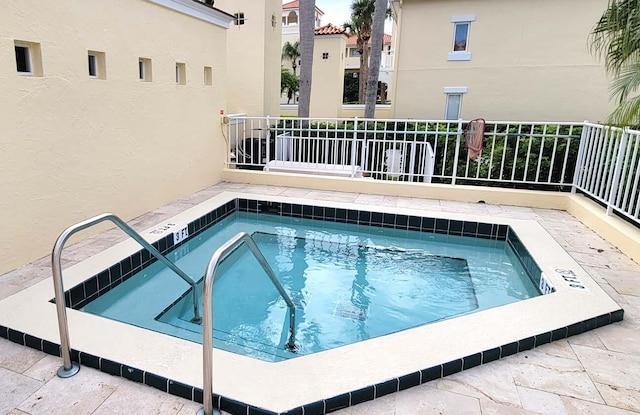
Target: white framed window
<point x="181" y="73"/>
<point x="460" y="37"/>
<point x="144" y="69"/>
<point x="460" y="45"/>
<point x="238" y="18"/>
<point x="97" y="65"/>
<point x="28" y="58"/>
<point x="453" y="103"/>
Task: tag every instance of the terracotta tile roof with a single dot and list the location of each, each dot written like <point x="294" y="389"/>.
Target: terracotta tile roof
<point x="291" y="5"/>
<point x="296" y="5"/>
<point x="353" y="40"/>
<point x="330" y="29"/>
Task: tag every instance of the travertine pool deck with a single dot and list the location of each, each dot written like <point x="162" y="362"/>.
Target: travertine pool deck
<point x="597" y="372"/>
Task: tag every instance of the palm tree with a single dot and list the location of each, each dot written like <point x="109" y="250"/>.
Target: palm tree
<point x="360" y="24"/>
<point x="616" y="37"/>
<point x="307" y="35"/>
<point x="377" y="37"/>
<point x="289" y="82"/>
<point x="291" y="52"/>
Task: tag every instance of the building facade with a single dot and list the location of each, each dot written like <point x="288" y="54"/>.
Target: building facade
<point x="498" y="59"/>
<point x="107" y="107"/>
<point x="352" y="63"/>
<point x="291" y="21"/>
<point x="253" y="56"/>
<point x="327" y="87"/>
<point x="322" y="92"/>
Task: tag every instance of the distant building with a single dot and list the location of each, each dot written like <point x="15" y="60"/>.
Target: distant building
<point x="327" y="88"/>
<point x="348" y="55"/>
<point x="352" y="62"/>
<point x="498" y="59"/>
<point x="291" y="20"/>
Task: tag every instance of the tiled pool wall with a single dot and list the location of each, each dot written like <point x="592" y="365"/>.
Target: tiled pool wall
<point x="106" y="280"/>
<point x="87" y="291"/>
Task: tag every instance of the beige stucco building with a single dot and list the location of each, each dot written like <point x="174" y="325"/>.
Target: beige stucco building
<point x="327" y="84"/>
<point x="105" y="111"/>
<point x="498" y="59"/>
<point x="291" y="21"/>
<point x="328" y="71"/>
<point x="253" y="56"/>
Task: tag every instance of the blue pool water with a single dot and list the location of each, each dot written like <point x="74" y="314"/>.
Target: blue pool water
<point x="349" y="283"/>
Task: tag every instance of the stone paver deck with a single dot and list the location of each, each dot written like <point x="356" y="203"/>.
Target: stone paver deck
<point x="597" y="372"/>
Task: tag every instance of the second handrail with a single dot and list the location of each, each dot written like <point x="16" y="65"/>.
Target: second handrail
<point x="207" y="317"/>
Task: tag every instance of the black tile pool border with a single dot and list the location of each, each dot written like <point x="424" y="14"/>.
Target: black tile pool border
<point x="106" y="280"/>
<point x="327" y="405"/>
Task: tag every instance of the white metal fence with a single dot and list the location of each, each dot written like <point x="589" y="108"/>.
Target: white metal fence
<point x="602" y="162"/>
<point x="521" y="154"/>
<point x="609" y="168"/>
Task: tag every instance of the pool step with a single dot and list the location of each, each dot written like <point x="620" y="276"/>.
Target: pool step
<point x="225" y="341"/>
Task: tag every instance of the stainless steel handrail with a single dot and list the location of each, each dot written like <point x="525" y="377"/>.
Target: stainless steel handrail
<point x="207" y="312"/>
<point x="69" y="368"/>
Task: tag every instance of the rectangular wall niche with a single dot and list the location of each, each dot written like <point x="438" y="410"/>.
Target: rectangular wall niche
<point x="144" y="69"/>
<point x="97" y="65"/>
<point x="28" y="58"/>
<point x="208" y="75"/>
<point x="181" y="73"/>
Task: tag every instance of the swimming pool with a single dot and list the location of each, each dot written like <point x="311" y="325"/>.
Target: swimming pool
<point x="331" y="379"/>
<point x="349" y="283"/>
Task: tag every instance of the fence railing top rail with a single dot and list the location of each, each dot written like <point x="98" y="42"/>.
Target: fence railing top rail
<point x="611" y="127"/>
<point x="413" y="120"/>
<point x="349" y="119"/>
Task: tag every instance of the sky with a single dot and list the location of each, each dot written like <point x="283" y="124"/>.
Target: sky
<point x="337" y="12"/>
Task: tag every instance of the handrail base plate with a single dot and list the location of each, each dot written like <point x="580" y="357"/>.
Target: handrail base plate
<point x="216" y="411"/>
<point x="67" y="373"/>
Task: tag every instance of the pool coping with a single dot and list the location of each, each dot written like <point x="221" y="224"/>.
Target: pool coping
<point x="170" y="364"/>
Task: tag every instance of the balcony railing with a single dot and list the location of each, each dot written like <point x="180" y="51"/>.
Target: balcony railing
<point x="386" y="61"/>
<point x="599" y="161"/>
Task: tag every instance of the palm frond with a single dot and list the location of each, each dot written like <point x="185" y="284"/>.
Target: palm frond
<point x="627" y="82"/>
<point x="626" y="114"/>
<point x="616" y="36"/>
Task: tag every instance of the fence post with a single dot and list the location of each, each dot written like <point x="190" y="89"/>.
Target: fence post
<point x="613" y="192"/>
<point x="354" y="142"/>
<point x="457" y="152"/>
<point x="267" y="146"/>
<point x="581" y="150"/>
